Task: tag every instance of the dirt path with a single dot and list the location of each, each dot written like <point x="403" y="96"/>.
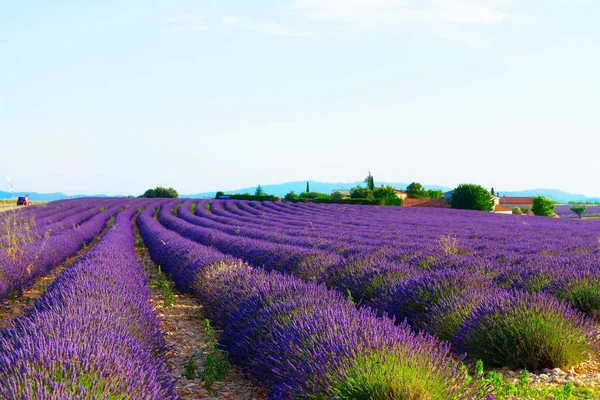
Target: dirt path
<point x="184" y="326"/>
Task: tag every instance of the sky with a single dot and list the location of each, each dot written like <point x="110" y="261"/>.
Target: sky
<point x="116" y="97"/>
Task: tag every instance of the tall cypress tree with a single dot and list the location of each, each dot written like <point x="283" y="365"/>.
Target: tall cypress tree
<point x="370" y="182"/>
<point x="307" y="187"/>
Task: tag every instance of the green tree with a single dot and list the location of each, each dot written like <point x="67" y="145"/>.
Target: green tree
<point x="416" y="191"/>
<point x="219" y="194"/>
<point x="492" y="191"/>
<point x="435" y="194"/>
<point x="161" y="192"/>
<point x="370" y="182"/>
<point x="579" y="209"/>
<point x="336" y="196"/>
<point x="307" y="187"/>
<point x="360" y="192"/>
<point x="542" y="207"/>
<point x="259" y="191"/>
<point x="387" y="195"/>
<point x="468" y="196"/>
<point x="291" y="196"/>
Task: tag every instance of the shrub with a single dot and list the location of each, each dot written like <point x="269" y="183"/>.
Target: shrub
<point x="471" y="197"/>
<point x="161" y="192"/>
<point x="520" y="330"/>
<point x="413" y="298"/>
<point x="336" y="196"/>
<point x="517" y="210"/>
<point x="448" y="314"/>
<point x="291" y="196"/>
<point x="579" y="210"/>
<point x="416" y="191"/>
<point x="542" y="207"/>
<point x="581" y="289"/>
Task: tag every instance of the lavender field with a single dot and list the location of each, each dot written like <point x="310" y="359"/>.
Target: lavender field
<point x="564" y="211"/>
<point x="319" y="301"/>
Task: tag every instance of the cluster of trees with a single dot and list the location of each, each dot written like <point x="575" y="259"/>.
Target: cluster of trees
<point x="416" y="191"/>
<point x="476" y="197"/>
<point x="161" y="192"/>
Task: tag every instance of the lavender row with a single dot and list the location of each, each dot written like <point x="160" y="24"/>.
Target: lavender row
<point x="19" y="266"/>
<point x="563" y="267"/>
<point x="301" y="339"/>
<point x="411" y="293"/>
<point x="25" y="231"/>
<point x="92" y="334"/>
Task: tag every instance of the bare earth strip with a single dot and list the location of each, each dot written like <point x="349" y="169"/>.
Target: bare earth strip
<point x="183" y="323"/>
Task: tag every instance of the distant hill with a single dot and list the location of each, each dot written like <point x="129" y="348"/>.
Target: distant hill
<point x="553" y="194"/>
<point x="323" y="187"/>
<point x="34" y="196"/>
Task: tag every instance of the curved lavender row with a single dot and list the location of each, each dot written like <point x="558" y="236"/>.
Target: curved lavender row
<point x="19" y="268"/>
<point x="92" y="334"/>
<point x="47" y="211"/>
<point x="564" y="211"/>
<point x="301" y="339"/>
<point x="268" y="233"/>
<point x="308" y="264"/>
<point x="402" y="291"/>
<point x="532" y="257"/>
<point x="40" y="229"/>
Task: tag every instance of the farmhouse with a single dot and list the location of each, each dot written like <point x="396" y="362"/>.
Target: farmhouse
<point x="401" y="194"/>
<point x="342" y="191"/>
<point x="514" y="202"/>
<point x="429" y="203"/>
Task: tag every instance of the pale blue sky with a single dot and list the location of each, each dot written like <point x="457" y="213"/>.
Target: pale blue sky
<point x="118" y="96"/>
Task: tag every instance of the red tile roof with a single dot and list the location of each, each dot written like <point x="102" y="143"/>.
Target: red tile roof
<point x="431" y="203"/>
<point x="516" y="200"/>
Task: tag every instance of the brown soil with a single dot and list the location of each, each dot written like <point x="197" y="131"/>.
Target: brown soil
<point x="183" y="323"/>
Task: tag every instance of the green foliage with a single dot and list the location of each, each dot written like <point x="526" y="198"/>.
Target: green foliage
<point x="579" y="210"/>
<point x="291" y="196"/>
<point x="435" y="194"/>
<point x="416" y="191"/>
<point x="207" y="207"/>
<point x="264" y="197"/>
<point x="175" y="209"/>
<point x="259" y="191"/>
<point x="359" y="192"/>
<point x="336" y="196"/>
<point x="307" y="188"/>
<point x="492" y="192"/>
<point x="387" y="196"/>
<point x="216" y="364"/>
<point x="370" y="182"/>
<point x="468" y="196"/>
<point x="189" y="371"/>
<point x="379" y="376"/>
<point x="371" y="202"/>
<point x="219" y="194"/>
<point x="161" y="192"/>
<point x="542" y="207"/>
<point x="313" y="195"/>
<point x="517" y="210"/>
<point x="193" y="208"/>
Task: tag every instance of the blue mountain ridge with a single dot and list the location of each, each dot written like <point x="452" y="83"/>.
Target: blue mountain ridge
<point x="324" y="187"/>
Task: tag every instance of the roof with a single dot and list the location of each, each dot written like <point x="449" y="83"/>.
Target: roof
<point x="342" y="191"/>
<point x="516" y="200"/>
<point x="430" y="203"/>
<point x="500" y="207"/>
